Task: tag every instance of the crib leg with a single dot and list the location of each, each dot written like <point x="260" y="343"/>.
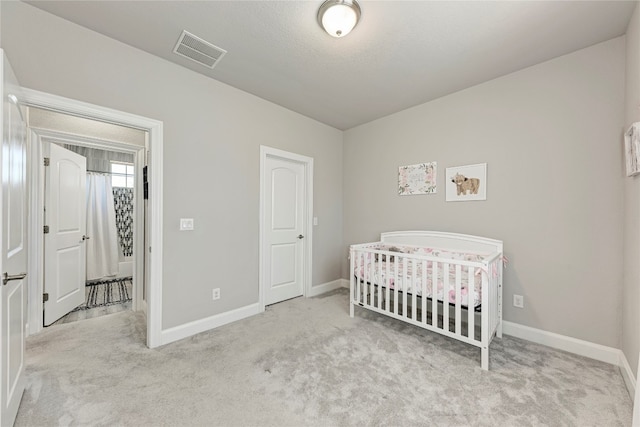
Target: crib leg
<point x="499" y="330"/>
<point x="484" y="358"/>
<point x="351" y="310"/>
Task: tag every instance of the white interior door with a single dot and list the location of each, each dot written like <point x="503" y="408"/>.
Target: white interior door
<point x="13" y="262"/>
<point x="64" y="244"/>
<point x="285" y="222"/>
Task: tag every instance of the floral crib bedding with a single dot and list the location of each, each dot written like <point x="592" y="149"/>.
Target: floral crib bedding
<point x="397" y="279"/>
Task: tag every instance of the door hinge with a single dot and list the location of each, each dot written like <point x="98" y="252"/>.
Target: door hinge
<point x="46" y="229"/>
<point x="46" y="161"/>
<point x="45" y="297"/>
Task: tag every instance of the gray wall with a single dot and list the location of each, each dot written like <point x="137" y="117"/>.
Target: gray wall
<point x="212" y="134"/>
<point x="631" y="289"/>
<point x="551" y="137"/>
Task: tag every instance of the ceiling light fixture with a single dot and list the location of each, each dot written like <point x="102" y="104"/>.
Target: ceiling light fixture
<point x="339" y="17"/>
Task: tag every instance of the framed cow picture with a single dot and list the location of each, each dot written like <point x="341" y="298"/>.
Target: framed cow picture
<point x="465" y="183"/>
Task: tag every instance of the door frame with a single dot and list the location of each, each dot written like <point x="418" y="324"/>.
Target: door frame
<point x="155" y="217"/>
<point x="38" y="137"/>
<point x="307" y="262"/>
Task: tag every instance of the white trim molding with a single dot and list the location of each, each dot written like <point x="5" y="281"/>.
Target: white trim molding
<point x="155" y="147"/>
<point x="197" y="326"/>
<point x="326" y="287"/>
<point x="627" y="375"/>
<point x="562" y="342"/>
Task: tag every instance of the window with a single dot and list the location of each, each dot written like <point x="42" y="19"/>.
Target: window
<point x="122" y="174"/>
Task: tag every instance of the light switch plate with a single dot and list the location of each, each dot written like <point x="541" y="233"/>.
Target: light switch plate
<point x="186" y="224"/>
<point x="518" y="301"/>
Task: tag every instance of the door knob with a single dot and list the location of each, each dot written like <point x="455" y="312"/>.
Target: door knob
<point x="300" y="236"/>
<point x="85" y="238"/>
<point x="6" y="277"/>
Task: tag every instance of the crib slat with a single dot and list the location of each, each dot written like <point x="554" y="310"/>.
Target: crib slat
<point x="434" y="294"/>
<point x="372" y="272"/>
<point x="471" y="300"/>
<point x="459" y="298"/>
<point x="395" y="285"/>
<point x="423" y="272"/>
<point x="404" y="286"/>
<point x="445" y="296"/>
<point x="360" y="270"/>
<point x="414" y="290"/>
<point x="387" y="284"/>
<point x="380" y="282"/>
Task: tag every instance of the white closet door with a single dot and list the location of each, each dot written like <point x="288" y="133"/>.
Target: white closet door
<point x="284" y="219"/>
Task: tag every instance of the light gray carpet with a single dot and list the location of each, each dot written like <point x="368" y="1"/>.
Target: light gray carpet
<point x="306" y="362"/>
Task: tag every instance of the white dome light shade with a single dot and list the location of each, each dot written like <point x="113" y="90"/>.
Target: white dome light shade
<point x="339" y="17"/>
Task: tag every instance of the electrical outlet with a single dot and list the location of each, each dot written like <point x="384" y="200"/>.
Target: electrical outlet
<point x="518" y="301"/>
<point x="216" y="294"/>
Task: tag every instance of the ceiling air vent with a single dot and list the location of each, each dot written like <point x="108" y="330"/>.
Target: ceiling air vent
<point x="198" y="50"/>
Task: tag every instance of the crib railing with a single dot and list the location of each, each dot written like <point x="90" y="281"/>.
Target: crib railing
<point x="446" y="314"/>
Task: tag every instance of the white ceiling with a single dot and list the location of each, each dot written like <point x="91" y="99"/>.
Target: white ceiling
<point x="401" y="54"/>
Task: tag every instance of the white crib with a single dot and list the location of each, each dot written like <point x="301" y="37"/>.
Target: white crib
<point x="444" y="282"/>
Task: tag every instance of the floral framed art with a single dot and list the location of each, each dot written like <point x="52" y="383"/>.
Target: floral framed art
<point x="417" y="179"/>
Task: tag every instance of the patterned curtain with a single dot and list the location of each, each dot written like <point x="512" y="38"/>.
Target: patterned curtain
<point x="123" y="201"/>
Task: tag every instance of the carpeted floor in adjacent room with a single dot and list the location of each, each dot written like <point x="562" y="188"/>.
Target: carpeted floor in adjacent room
<point x="306" y="362"/>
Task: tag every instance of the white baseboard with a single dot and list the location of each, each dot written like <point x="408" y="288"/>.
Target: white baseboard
<point x="326" y="287"/>
<point x="345" y="283"/>
<point x="627" y="375"/>
<point x="588" y="349"/>
<point x="562" y="342"/>
<point x="188" y="329"/>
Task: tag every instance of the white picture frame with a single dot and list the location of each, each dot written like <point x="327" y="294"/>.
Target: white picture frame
<point x="632" y="149"/>
<point x="417" y="179"/>
<point x="466" y="183"/>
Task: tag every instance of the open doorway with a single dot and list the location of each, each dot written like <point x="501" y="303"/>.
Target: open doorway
<point x="89" y="253"/>
<point x="88" y="194"/>
<point x="148" y="266"/>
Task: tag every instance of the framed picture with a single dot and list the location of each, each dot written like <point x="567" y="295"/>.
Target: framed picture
<point x="632" y="149"/>
<point x="466" y="183"/>
<point x="417" y="179"/>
